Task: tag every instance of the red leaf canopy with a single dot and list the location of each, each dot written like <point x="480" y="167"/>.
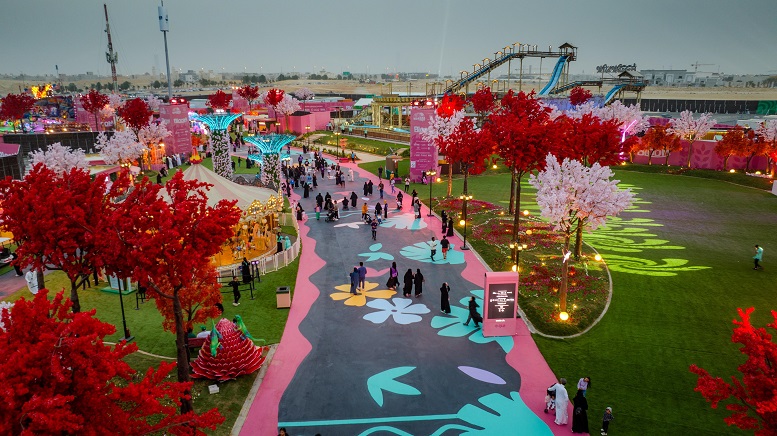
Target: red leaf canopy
<point x="14" y="106"/>
<point x="58" y="377"/>
<point x="579" y="95"/>
<point x="169" y="240"/>
<point x="449" y="104"/>
<point x="522" y="131"/>
<point x="248" y="92"/>
<point x="136" y="113"/>
<point x="274" y="96"/>
<point x="483" y="100"/>
<point x="93" y="101"/>
<point x="198" y="301"/>
<point x="55" y="218"/>
<point x="219" y="100"/>
<point x="467" y="145"/>
<point x="235" y="357"/>
<point x="589" y="140"/>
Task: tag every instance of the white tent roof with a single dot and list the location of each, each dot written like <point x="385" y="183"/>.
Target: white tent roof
<point x="362" y="102"/>
<point x="224" y="189"/>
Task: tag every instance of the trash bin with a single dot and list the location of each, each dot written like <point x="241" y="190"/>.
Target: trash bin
<point x="283" y="297"/>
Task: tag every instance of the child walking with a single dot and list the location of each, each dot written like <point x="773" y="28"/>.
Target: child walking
<point x="606" y="420"/>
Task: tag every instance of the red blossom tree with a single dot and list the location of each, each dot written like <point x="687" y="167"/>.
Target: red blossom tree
<point x="591" y="140"/>
<point x="467" y="145"/>
<point x="250" y="93"/>
<point x="274" y="96"/>
<point x="449" y="104"/>
<point x="754" y="395"/>
<point x="579" y="95"/>
<point x="735" y="142"/>
<point x="164" y="245"/>
<point x="659" y="138"/>
<point x="14" y="106"/>
<point x="220" y="100"/>
<point x="483" y="102"/>
<point x="58" y="377"/>
<point x="198" y="301"/>
<point x="523" y="134"/>
<point x="136" y="114"/>
<point x="55" y="219"/>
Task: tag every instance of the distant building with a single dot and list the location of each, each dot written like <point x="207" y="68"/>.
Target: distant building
<point x="668" y="77"/>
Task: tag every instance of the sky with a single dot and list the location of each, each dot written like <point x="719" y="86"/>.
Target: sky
<point x="436" y="36"/>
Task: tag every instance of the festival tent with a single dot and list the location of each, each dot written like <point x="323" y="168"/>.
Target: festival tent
<point x="224" y="189"/>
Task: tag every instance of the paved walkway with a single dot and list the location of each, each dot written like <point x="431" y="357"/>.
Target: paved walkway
<point x="379" y="363"/>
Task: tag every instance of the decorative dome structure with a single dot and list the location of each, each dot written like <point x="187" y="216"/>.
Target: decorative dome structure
<point x="235" y="355"/>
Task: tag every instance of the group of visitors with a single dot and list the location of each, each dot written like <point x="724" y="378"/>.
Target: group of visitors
<point x="557" y="398"/>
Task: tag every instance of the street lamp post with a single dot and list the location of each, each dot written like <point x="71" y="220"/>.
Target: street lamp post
<point x="307" y="136"/>
<point x="127" y="336"/>
<point x="430" y="177"/>
<point x="463" y="222"/>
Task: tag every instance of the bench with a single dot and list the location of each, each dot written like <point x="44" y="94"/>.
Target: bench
<point x="193" y="346"/>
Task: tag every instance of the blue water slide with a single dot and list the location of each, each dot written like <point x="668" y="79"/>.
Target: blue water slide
<point x="612" y="93"/>
<point x="555" y="76"/>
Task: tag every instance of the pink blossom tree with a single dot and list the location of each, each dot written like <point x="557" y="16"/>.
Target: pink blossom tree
<point x="572" y="196"/>
<point x="287" y="106"/>
<point x="690" y="129"/>
<point x="123" y="147"/>
<point x="304" y="94"/>
<point x="151" y="136"/>
<point x="767" y="133"/>
<point x="59" y="158"/>
<point x="440" y="128"/>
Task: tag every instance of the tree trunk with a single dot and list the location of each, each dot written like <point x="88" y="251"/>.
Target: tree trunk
<point x="562" y="290"/>
<point x="690" y="153"/>
<point x="579" y="241"/>
<point x="40" y="279"/>
<point x="747" y="164"/>
<point x="650" y="157"/>
<point x="182" y="358"/>
<point x="450" y="178"/>
<point x="511" y="209"/>
<point x="74" y="296"/>
<point x="96" y="122"/>
<point x="666" y="160"/>
<point x="517" y="212"/>
<point x="725" y="163"/>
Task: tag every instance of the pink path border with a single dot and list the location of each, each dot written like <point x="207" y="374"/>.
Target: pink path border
<point x="262" y="417"/>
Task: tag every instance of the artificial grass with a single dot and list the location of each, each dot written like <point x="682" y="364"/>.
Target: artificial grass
<point x="658" y="325"/>
<point x="356" y="143"/>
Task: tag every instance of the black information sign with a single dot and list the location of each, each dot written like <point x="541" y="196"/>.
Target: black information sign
<point x="501" y="301"/>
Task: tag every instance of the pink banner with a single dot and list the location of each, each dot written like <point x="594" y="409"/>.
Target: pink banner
<point x="423" y="154"/>
<point x="704" y="157"/>
<point x="82" y="116"/>
<point x="177" y="118"/>
<point x="239" y="104"/>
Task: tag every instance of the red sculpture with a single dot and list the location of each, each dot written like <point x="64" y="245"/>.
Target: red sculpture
<point x="236" y="355"/>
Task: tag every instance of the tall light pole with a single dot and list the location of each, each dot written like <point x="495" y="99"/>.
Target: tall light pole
<point x="164" y="27"/>
<point x="465" y="198"/>
<point x="430" y="177"/>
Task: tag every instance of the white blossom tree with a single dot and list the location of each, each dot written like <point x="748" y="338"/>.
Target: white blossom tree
<point x="122" y="147"/>
<point x="631" y="120"/>
<point x="153" y="102"/>
<point x="690" y="129"/>
<point x="304" y="94"/>
<point x="151" y="136"/>
<point x="60" y="158"/>
<point x="271" y="170"/>
<point x="287" y="106"/>
<point x="440" y="128"/>
<point x="572" y="196"/>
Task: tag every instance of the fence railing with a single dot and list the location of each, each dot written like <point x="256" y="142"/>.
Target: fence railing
<point x="266" y="264"/>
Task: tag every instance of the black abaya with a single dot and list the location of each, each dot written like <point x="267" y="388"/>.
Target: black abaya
<point x="580" y="414"/>
<point x="354" y="197"/>
<point x="445" y="304"/>
<point x="450" y="227"/>
<point x="408" y="288"/>
<point x="419" y="283"/>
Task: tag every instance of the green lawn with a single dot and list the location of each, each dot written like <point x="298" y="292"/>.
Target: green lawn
<point x="356" y="143"/>
<point x="681" y="265"/>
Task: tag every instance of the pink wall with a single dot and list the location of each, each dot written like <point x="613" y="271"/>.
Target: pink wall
<point x="704" y="157"/>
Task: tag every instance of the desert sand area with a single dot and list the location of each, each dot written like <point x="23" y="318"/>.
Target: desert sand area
<point x="323" y="88"/>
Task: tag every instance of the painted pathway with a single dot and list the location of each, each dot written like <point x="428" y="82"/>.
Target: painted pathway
<point x="383" y="364"/>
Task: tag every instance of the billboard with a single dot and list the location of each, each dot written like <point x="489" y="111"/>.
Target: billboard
<point x="500" y="304"/>
<point x="177" y="118"/>
<point x="423" y="153"/>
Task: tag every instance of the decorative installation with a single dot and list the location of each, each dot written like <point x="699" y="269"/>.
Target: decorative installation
<point x="270" y="147"/>
<point x="236" y="355"/>
<point x="219" y="140"/>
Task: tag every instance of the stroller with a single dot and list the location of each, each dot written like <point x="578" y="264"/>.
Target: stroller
<point x="368" y="219"/>
<point x="331" y="215"/>
<point x="550" y="399"/>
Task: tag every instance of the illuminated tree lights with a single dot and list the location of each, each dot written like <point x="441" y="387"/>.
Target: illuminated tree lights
<point x="222" y="162"/>
<point x="271" y="171"/>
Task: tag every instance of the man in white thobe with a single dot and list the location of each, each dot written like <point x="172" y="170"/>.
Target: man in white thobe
<point x="562" y="402"/>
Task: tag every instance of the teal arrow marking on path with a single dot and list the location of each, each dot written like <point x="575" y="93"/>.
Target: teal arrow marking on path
<point x="384" y="381"/>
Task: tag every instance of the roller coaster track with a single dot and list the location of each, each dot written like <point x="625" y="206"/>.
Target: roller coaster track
<point x="497" y="62"/>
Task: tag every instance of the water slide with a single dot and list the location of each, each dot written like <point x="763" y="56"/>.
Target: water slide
<point x="557" y="70"/>
<point x="611" y="94"/>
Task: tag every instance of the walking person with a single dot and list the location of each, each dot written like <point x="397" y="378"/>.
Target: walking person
<point x="354" y="197"/>
<point x="759" y="254"/>
<point x="449" y="233"/>
<point x="444" y="222"/>
<point x="245" y="270"/>
<point x="393" y="277"/>
<point x="418" y="280"/>
<point x="445" y="302"/>
<point x="362" y="275"/>
<point x="433" y="247"/>
<point x="583" y="384"/>
<point x="378" y="210"/>
<point x="445" y="245"/>
<point x="407" y="183"/>
<point x="17" y="269"/>
<point x="473" y="313"/>
<point x="408" y="279"/>
<point x="393" y="189"/>
<point x="354" y="280"/>
<point x="380" y="188"/>
<point x="369" y="188"/>
<point x="580" y="413"/>
<point x="235" y="290"/>
<point x="374" y="227"/>
<point x="399" y="200"/>
<point x="606" y="420"/>
<point x="562" y="402"/>
<point x="380" y="173"/>
<point x="417" y="209"/>
<point x="364" y="211"/>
